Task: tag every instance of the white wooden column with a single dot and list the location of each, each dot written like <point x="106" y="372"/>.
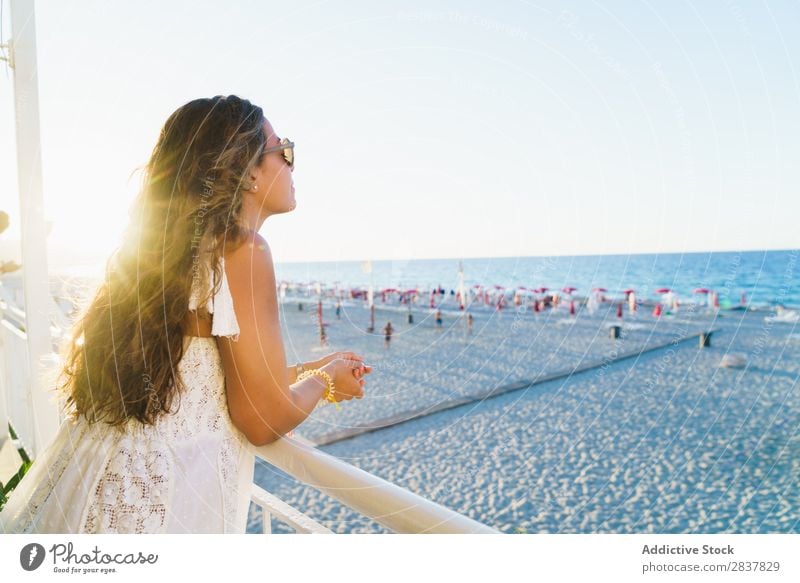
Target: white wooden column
<point x="34" y="243"/>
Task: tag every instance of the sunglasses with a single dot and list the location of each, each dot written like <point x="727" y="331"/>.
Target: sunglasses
<point x="288" y="151"/>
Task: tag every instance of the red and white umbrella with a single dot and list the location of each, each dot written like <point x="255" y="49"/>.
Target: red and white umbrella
<point x="708" y="293"/>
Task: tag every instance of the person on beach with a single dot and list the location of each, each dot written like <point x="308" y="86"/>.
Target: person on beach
<point x="469" y="323"/>
<point x="338" y="310"/>
<point x="168" y="388"/>
<point x="387" y="334"/>
<point x="439" y="320"/>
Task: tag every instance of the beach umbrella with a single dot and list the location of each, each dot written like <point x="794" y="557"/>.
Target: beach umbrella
<point x="705" y="291"/>
<point x="477" y="287"/>
<point x="500" y="301"/>
<point x="496" y="287"/>
<point x="600" y="290"/>
<point x="568" y="289"/>
<point x="387" y="290"/>
<point x="628" y="291"/>
<point x="669" y="298"/>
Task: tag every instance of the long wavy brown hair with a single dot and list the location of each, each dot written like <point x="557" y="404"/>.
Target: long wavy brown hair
<point x="121" y="361"/>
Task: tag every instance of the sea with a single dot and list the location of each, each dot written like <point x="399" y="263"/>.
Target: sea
<point x="757" y="279"/>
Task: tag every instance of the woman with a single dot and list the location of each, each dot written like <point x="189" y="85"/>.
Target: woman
<point x="176" y="368"/>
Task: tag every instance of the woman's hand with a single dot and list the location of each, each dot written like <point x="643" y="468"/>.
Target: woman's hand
<point x="347" y="375"/>
<point x="346" y="354"/>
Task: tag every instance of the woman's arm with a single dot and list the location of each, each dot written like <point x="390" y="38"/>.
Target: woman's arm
<point x="263" y="402"/>
<point x="292" y="373"/>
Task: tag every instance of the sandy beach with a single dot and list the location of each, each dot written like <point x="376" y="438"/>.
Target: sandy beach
<point x="663" y="440"/>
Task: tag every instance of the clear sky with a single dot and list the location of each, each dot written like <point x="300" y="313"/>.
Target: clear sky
<point x="448" y="129"/>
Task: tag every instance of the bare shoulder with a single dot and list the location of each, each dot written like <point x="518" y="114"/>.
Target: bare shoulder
<point x="252" y="259"/>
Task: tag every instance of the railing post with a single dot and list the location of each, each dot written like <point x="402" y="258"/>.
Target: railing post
<point x="34" y="247"/>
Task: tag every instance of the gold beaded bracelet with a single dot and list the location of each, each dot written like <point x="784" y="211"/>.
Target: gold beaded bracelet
<point x="329" y="392"/>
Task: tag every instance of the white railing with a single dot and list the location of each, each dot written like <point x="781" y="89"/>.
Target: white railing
<point x="17" y="404"/>
<point x="271" y="505"/>
<point x="33" y="410"/>
<point x="394" y="507"/>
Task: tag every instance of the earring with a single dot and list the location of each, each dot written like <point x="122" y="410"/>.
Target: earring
<point x="254" y="187"/>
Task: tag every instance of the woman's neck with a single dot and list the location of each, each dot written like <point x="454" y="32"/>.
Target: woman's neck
<point x="253" y="219"/>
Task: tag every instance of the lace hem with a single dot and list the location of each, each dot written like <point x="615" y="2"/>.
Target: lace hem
<point x="131" y="493"/>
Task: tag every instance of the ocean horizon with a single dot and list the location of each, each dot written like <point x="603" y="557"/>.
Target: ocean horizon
<point x="758" y="279"/>
<point x="762" y="279"/>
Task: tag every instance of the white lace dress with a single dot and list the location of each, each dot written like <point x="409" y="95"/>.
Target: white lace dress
<point x="191" y="472"/>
